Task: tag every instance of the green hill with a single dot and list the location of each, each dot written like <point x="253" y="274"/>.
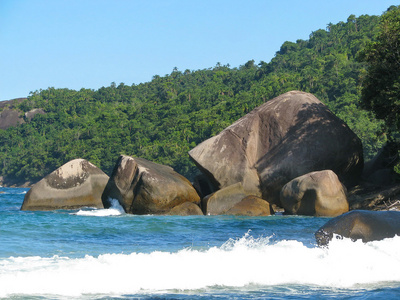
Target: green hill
<point x="163" y="119"/>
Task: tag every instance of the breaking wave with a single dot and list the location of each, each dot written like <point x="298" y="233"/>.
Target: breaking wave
<point x="239" y="263"/>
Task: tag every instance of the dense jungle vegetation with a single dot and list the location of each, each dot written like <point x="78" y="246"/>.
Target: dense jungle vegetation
<point x="163" y="119"/>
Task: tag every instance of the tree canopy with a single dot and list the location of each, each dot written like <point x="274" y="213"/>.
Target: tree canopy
<point x="381" y="89"/>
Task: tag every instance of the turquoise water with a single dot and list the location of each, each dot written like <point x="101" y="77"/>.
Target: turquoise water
<point x="106" y="254"/>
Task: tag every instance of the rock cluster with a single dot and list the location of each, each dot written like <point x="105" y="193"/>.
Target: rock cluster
<point x="287" y="137"/>
<point x="290" y="153"/>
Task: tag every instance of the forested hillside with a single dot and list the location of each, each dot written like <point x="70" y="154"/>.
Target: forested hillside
<point x="163" y="119"/>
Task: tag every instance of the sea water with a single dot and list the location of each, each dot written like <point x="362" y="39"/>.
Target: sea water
<point x="107" y="254"/>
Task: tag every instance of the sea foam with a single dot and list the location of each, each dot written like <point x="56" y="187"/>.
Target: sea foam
<point x="115" y="210"/>
<point x="244" y="262"/>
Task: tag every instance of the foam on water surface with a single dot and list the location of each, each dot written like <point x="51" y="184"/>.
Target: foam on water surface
<point x="240" y="263"/>
<point x="115" y="210"/>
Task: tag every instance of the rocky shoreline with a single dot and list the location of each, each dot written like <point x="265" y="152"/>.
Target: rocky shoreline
<point x="361" y="197"/>
<point x="290" y="154"/>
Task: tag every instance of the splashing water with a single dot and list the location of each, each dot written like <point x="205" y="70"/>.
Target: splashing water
<point x="115" y="210"/>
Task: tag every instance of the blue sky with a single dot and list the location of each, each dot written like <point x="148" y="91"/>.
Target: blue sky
<point x="90" y="43"/>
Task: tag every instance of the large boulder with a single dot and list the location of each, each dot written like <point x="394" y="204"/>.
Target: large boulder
<point x="315" y="194"/>
<point x="360" y="224"/>
<point x="76" y="184"/>
<point x="144" y="187"/>
<point x="286" y="137"/>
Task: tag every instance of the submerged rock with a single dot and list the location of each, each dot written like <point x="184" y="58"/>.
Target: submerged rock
<point x="360" y="224"/>
<point x="76" y="184"/>
<point x="286" y="137"/>
<point x="145" y="187"/>
<point x="315" y="194"/>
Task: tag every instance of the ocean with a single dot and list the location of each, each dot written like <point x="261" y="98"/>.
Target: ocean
<point x="107" y="254"/>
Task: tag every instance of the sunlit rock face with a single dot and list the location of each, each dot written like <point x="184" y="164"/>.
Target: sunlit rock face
<point x="223" y="200"/>
<point x="286" y="137"/>
<point x="315" y="194"/>
<point x="186" y="209"/>
<point x="145" y="187"/>
<point x="251" y="206"/>
<point x="76" y="184"/>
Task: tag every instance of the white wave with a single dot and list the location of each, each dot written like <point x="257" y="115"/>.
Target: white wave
<point x="11" y="192"/>
<point x="115" y="210"/>
<point x="238" y="263"/>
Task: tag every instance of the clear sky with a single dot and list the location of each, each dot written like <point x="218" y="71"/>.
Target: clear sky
<point x="90" y="43"/>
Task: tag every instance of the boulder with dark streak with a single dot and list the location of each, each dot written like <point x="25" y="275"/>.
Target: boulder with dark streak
<point x="76" y="184"/>
<point x="145" y="187"/>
